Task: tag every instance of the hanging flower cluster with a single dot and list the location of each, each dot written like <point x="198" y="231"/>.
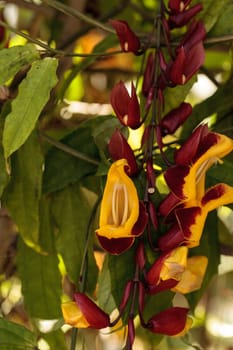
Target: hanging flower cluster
<point x="175" y="226"/>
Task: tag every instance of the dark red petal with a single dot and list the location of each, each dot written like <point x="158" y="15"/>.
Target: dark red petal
<point x="180" y="19"/>
<point x="162" y="286"/>
<point x="186" y="154"/>
<point x="186" y="218"/>
<point x="133" y="110"/>
<point x="174" y="177"/>
<point x="169" y="203"/>
<point x="213" y="193"/>
<point x="173" y="238"/>
<point x="175" y="118"/>
<point x="95" y="316"/>
<point x="176" y="74"/>
<point x="148" y="78"/>
<point x="119" y="148"/>
<point x="178" y="5"/>
<point x="153" y="274"/>
<point x="120" y="100"/>
<point x="170" y="322"/>
<point x="128" y="39"/>
<point x="115" y="246"/>
<point x="207" y="141"/>
<point x="194" y="59"/>
<point x="195" y="34"/>
<point x="142" y="221"/>
<point x="140" y="256"/>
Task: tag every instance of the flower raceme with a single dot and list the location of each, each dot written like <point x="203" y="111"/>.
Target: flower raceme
<point x="189" y="201"/>
<point x="84" y="313"/>
<point x="122" y="216"/>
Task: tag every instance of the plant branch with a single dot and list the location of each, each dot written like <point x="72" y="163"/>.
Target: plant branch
<point x="73" y="12"/>
<point x="69" y="150"/>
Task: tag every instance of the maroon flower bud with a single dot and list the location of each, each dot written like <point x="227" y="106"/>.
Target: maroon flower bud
<point x="171" y="321"/>
<point x="175" y="118"/>
<point x="153" y="215"/>
<point x="128" y="39"/>
<point x="94" y="316"/>
<point x="194" y="35"/>
<point x="131" y="333"/>
<point x="125" y="106"/>
<point x="187" y="64"/>
<point x="182" y="18"/>
<point x="119" y="148"/>
<point x="126" y="295"/>
<point x="148" y="79"/>
<point x="178" y="5"/>
<point x="140" y="256"/>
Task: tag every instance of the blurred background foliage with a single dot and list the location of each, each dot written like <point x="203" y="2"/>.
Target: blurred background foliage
<point x="54" y="159"/>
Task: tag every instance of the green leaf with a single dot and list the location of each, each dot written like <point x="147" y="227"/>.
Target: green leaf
<point x="224" y="24"/>
<point x="39" y="273"/>
<point x="15" y="337"/>
<point x="104" y="294"/>
<point x="26" y="107"/>
<point x="14" y="58"/>
<point x="121" y="270"/>
<point x="22" y="195"/>
<point x="72" y="213"/>
<point x="55" y="339"/>
<point x="174" y="96"/>
<point x="221" y="173"/>
<point x="211" y="11"/>
<point x="90" y="138"/>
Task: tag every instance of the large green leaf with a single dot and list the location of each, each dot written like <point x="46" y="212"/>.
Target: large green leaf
<point x="221" y="173"/>
<point x="72" y="214"/>
<point x="15" y="337"/>
<point x="14" y="58"/>
<point x="90" y="139"/>
<point x="224" y="23"/>
<point x="39" y="273"/>
<point x="23" y="192"/>
<point x="26" y="107"/>
<point x="211" y="11"/>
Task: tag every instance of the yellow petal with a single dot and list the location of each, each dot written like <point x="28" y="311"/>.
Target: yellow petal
<point x="193" y="275"/>
<point x="73" y="316"/>
<point x="120" y="205"/>
<point x="174" y="265"/>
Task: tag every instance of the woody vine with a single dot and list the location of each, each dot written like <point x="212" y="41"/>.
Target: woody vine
<point x="147" y="211"/>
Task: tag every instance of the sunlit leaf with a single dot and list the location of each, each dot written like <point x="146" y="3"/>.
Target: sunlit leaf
<point x="223" y="26"/>
<point x="22" y="195"/>
<point x="104" y="294"/>
<point x="55" y="339"/>
<point x="15" y="337"/>
<point x="14" y="58"/>
<point x="72" y="214"/>
<point x="41" y="280"/>
<point x="26" y="107"/>
<point x="211" y="12"/>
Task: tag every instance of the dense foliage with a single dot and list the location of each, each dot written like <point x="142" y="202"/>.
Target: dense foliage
<point x="84" y="85"/>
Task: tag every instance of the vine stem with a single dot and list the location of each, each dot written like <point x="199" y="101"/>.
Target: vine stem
<point x="75" y="13"/>
<point x="69" y="150"/>
<point x="83" y="268"/>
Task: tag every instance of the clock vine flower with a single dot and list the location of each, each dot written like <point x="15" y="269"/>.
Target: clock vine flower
<point x="122" y="216"/>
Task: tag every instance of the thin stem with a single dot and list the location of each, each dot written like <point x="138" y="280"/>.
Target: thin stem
<point x="75" y="13"/>
<point x="74" y="334"/>
<point x="69" y="150"/>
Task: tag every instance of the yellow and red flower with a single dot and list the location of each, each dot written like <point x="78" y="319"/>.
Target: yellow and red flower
<point x="84" y="313"/>
<point x="122" y="216"/>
